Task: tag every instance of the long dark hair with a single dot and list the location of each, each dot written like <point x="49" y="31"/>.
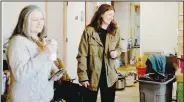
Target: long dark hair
<point x="22" y="20"/>
<point x="97" y="19"/>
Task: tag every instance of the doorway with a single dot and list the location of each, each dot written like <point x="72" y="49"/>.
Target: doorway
<point x="75" y="26"/>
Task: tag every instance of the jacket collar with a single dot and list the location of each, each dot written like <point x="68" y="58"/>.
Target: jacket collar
<point x="96" y="37"/>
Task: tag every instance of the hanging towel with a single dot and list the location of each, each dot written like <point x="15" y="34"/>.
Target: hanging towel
<point x="158" y="62"/>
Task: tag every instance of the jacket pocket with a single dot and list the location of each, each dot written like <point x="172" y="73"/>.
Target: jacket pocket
<point x="93" y="47"/>
<point x="113" y="38"/>
<point x="113" y="65"/>
<point x="112" y="44"/>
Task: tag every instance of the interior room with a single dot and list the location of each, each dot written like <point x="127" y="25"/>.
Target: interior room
<point x="146" y="28"/>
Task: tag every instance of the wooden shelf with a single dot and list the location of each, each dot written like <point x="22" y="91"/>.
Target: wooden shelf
<point x="128" y="49"/>
<point x="137" y="25"/>
<point x="136" y="47"/>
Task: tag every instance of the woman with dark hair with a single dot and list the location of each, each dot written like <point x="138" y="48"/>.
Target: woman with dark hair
<point x="98" y="49"/>
<point x="29" y="60"/>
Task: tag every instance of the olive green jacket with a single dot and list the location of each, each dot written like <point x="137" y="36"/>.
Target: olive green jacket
<point x="90" y="55"/>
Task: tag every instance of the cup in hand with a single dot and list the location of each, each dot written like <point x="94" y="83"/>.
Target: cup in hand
<point x="52" y="46"/>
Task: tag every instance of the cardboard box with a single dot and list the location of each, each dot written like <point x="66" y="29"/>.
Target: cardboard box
<point x="180" y="8"/>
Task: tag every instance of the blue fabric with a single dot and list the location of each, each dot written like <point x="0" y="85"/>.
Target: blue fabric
<point x="158" y="62"/>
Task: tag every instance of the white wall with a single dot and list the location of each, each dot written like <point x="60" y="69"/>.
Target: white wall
<point x="91" y="8"/>
<point x="55" y="24"/>
<point x="122" y="17"/>
<point x="158" y="25"/>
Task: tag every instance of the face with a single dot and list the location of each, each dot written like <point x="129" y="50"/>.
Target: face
<point x="108" y="17"/>
<point x="36" y="21"/>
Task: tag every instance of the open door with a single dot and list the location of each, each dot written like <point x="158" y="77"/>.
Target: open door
<point x="75" y="26"/>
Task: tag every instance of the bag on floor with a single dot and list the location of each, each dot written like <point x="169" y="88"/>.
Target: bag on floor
<point x="67" y="90"/>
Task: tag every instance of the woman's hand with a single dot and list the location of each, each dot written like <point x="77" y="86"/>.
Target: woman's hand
<point x="113" y="54"/>
<point x="85" y="84"/>
<point x="54" y="70"/>
<point x="58" y="77"/>
<point x="51" y="47"/>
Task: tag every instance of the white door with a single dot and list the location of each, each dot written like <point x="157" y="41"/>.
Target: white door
<point x="75" y="27"/>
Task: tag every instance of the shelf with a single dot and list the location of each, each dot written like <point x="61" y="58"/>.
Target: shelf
<point x="128" y="49"/>
<point x="136" y="47"/>
<point x="137" y="25"/>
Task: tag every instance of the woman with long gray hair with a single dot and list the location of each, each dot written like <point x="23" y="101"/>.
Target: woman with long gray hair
<point x="29" y="61"/>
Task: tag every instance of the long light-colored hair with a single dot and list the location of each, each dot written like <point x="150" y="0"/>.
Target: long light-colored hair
<point x="22" y="27"/>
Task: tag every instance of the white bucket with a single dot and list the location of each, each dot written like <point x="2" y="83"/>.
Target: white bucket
<point x="129" y="80"/>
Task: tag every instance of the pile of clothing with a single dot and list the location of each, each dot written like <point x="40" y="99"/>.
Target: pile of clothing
<point x="160" y="68"/>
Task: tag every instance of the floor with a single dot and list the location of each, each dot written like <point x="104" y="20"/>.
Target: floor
<point x="130" y="94"/>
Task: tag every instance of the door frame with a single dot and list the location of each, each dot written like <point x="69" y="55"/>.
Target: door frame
<point x="65" y="4"/>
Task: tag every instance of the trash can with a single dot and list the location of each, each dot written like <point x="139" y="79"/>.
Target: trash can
<point x="151" y="91"/>
<point x="156" y="85"/>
